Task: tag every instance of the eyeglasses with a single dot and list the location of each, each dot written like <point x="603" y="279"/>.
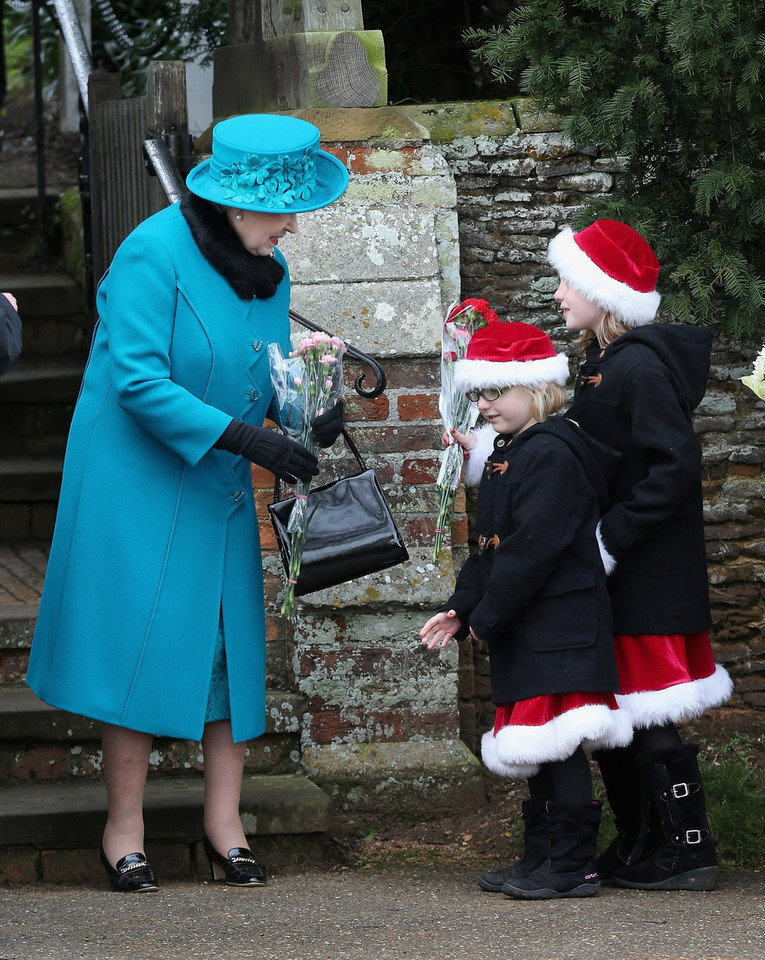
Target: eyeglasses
<point x="489" y="394"/>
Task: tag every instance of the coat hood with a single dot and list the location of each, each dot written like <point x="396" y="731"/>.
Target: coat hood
<point x="598" y="461"/>
<point x="684" y="350"/>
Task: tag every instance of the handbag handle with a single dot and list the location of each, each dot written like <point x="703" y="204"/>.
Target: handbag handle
<point x="351" y="446"/>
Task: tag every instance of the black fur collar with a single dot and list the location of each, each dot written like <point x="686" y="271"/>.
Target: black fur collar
<point x="249" y="275"/>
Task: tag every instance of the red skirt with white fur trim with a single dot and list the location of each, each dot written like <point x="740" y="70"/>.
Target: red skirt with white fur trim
<point x="668" y="678"/>
<point x="544" y="729"/>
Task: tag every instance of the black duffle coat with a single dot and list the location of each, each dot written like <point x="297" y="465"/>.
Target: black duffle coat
<point x="536" y="588"/>
<point x="637" y="396"/>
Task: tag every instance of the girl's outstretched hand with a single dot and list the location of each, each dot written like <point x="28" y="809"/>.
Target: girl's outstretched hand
<point x="443" y="626"/>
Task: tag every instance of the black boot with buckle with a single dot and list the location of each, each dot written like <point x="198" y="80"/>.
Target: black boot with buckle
<point x="638" y="831"/>
<point x="686" y="858"/>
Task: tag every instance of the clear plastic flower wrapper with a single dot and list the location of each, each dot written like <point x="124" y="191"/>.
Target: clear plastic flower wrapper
<point x="306" y="384"/>
<point x="457" y="412"/>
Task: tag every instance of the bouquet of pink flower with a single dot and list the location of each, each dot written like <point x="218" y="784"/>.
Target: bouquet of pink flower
<point x="306" y="383"/>
<point x="462" y="321"/>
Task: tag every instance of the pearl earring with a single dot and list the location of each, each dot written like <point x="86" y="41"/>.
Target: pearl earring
<point x="237" y="216"/>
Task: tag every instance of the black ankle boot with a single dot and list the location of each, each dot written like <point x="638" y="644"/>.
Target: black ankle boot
<point x="133" y="874"/>
<point x="569" y="870"/>
<point x="686" y="858"/>
<point x="534" y="848"/>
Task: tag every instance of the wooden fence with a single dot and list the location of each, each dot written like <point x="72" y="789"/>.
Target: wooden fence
<point x="122" y="193"/>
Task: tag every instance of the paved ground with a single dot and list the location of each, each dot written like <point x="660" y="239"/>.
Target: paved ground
<point x="22" y="569"/>
<point x="388" y="912"/>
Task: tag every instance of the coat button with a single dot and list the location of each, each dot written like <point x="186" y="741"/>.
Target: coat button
<point x="254" y="394"/>
<point x="239" y="495"/>
<point x="500" y="443"/>
<point x="256" y="345"/>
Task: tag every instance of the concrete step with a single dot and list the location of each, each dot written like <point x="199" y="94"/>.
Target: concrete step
<point x="29" y="490"/>
<point x="72" y="815"/>
<point x="44" y="380"/>
<point x="18" y="226"/>
<point x="36" y="406"/>
<point x="52" y="309"/>
<point x="52" y="831"/>
<point x="41" y="744"/>
<point x="23" y="479"/>
<point x="18" y="205"/>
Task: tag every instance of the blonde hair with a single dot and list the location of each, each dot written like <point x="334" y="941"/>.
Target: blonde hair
<point x="610" y="328"/>
<point x="546" y="400"/>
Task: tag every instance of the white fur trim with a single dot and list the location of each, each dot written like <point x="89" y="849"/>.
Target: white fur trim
<point x="594" y="726"/>
<point x="609" y="562"/>
<point x="477" y="374"/>
<point x="492" y="762"/>
<point x="474" y="465"/>
<point x="683" y="701"/>
<point x="632" y="307"/>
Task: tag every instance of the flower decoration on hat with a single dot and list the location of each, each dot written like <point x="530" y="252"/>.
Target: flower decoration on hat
<point x="275" y="183"/>
<point x="610" y="264"/>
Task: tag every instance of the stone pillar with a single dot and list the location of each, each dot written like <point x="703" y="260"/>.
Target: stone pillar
<point x="380" y="267"/>
<point x="301" y="53"/>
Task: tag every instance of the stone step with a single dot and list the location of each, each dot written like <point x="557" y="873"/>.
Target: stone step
<point x="18" y="205"/>
<point x="36" y="405"/>
<point x="39" y="743"/>
<point x="18" y="226"/>
<point x="29" y="490"/>
<point x="44" y="380"/>
<point x="23" y="479"/>
<point x="52" y="309"/>
<point x="17" y="621"/>
<point x="52" y="831"/>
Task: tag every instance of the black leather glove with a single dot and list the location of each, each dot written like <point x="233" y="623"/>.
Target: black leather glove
<point x="328" y="425"/>
<point x="283" y="456"/>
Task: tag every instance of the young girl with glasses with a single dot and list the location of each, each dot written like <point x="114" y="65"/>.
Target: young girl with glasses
<point x="535" y="591"/>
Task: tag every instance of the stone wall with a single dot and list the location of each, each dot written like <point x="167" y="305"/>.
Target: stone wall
<point x="381" y="267"/>
<point x="516" y="187"/>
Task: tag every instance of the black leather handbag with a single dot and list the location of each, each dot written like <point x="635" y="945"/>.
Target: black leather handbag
<point x="350" y="532"/>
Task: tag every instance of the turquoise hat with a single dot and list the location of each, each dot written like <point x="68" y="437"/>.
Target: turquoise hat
<point x="269" y="163"/>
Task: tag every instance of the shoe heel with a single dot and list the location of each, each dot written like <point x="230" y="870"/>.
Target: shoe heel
<point x="218" y="873"/>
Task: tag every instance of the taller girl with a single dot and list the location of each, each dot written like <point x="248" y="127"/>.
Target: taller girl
<point x="636" y="391"/>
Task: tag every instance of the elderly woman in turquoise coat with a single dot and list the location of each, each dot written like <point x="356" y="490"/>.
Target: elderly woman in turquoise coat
<point x="152" y="614"/>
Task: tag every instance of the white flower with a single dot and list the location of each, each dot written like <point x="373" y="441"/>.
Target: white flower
<point x="756" y="381"/>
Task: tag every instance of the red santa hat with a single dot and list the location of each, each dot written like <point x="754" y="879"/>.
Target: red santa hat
<point x="610" y="264"/>
<point x="510" y="354"/>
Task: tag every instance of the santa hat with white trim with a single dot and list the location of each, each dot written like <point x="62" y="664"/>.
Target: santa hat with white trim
<point x="610" y="264"/>
<point x="508" y="355"/>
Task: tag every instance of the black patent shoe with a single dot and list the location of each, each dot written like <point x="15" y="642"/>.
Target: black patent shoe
<point x="133" y="874"/>
<point x="238" y="869"/>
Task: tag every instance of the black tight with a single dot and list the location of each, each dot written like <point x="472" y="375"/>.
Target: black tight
<point x="657" y="739"/>
<point x="565" y="781"/>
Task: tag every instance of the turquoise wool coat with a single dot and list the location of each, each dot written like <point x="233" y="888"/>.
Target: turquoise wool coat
<point x="156" y="534"/>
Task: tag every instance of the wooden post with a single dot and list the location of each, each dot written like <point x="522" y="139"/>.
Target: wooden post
<point x="291" y="54"/>
<point x="122" y="192"/>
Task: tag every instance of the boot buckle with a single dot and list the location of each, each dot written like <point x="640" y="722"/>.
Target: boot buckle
<point x="693" y="836"/>
<point x="680" y="790"/>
